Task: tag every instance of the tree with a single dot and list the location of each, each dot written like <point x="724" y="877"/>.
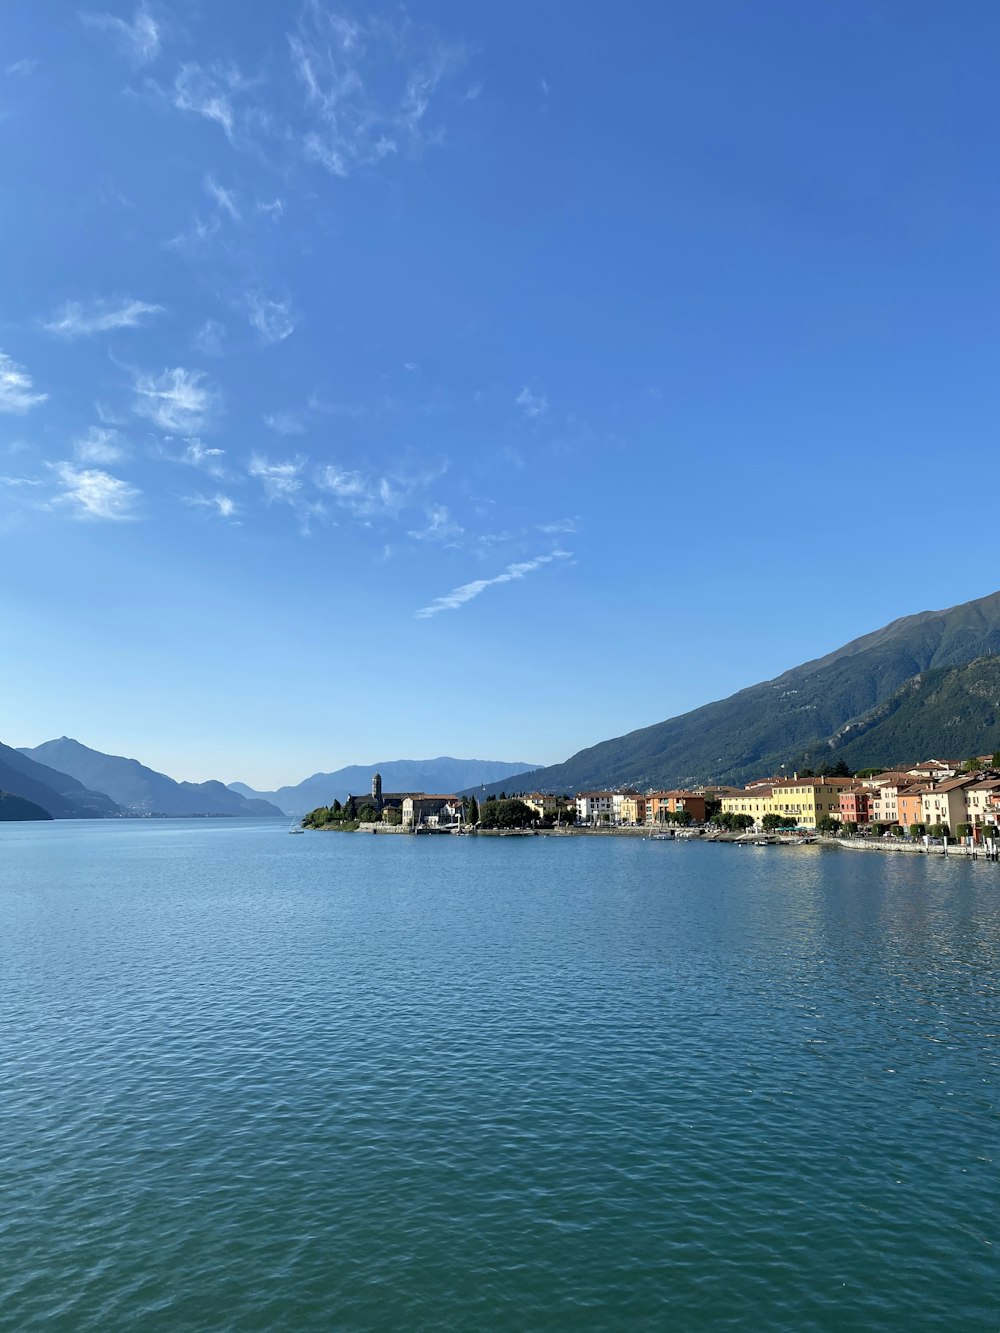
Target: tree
<point x="972" y="765"/>
<point x="336" y="807"/>
<point x="837" y="770"/>
<point x="368" y="814"/>
<point x="829" y="824"/>
<point x="505" y="813"/>
<point x="964" y="830"/>
<point x="917" y="830"/>
<point x="471" y="810"/>
<point x="775" y="821"/>
<point x="712" y="808"/>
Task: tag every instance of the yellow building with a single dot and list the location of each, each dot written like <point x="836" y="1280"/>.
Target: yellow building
<point x="755" y="802"/>
<point x="808" y="800"/>
<point x="633" y="808"/>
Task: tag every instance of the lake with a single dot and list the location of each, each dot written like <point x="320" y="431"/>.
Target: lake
<point x="253" y="1081"/>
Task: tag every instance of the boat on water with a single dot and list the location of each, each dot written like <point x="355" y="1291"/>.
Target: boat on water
<point x="296" y="828"/>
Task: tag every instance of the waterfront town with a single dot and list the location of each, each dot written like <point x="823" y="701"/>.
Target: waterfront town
<point x="936" y="797"/>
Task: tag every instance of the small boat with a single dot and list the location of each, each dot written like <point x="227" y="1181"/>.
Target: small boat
<point x="296" y="828"/>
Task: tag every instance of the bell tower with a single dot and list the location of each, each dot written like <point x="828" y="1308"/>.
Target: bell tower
<point x="377" y="791"/>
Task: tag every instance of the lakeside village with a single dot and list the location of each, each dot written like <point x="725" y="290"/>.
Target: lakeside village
<point x="938" y="798"/>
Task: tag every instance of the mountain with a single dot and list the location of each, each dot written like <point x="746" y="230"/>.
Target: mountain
<point x="431" y="775"/>
<point x="14" y="808"/>
<point x="59" y="794"/>
<point x="951" y="711"/>
<point x="141" y="790"/>
<point x="801" y="717"/>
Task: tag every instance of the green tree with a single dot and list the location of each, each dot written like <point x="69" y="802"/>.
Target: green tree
<point x="972" y="765"/>
<point x="837" y="770"/>
<point x="368" y="814"/>
<point x="471" y="810"/>
<point x="917" y="830"/>
<point x="776" y="821"/>
<point x="964" y="830"/>
<point x="505" y="813"/>
<point x="829" y="824"/>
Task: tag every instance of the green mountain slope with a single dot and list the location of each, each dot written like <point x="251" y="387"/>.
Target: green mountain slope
<point x="16" y="808"/>
<point x="780" y="720"/>
<point x="952" y="712"/>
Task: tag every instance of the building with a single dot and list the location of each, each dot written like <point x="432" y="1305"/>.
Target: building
<point x="381" y="802"/>
<point x="754" y="801"/>
<point x="855" y="806"/>
<point x="808" y="800"/>
<point x="659" y="804"/>
<point x="547" y="806"/>
<point x="619" y="814"/>
<point x="595" y="807"/>
<point x="432" y="810"/>
<point x="910" y="806"/>
<point x="980" y="801"/>
<point x="945" y="802"/>
<point x="633" y="808"/>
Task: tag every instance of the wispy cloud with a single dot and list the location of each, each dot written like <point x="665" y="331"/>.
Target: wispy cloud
<point x="458" y="597"/>
<point x="139" y="40"/>
<point x="220" y="505"/>
<point x="210" y="340"/>
<point x="440" y="527"/>
<point x="17" y="391"/>
<point x="76" y="320"/>
<point x="210" y="93"/>
<point x="196" y="454"/>
<point x="369" y="83"/>
<point x="93" y="494"/>
<point x="99" y="445"/>
<point x="179" y="401"/>
<point x="286" y="423"/>
<point x="281" y="481"/>
<point x="559" y="525"/>
<point x="21" y="68"/>
<point x="532" y="404"/>
<point x="273" y="320"/>
<point x="272" y="210"/>
<point x="226" y="199"/>
<point x="362" y="496"/>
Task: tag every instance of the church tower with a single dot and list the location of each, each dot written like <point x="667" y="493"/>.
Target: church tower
<point x="377" y="791"/>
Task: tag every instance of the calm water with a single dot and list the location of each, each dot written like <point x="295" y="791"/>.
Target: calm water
<point x="249" y="1081"/>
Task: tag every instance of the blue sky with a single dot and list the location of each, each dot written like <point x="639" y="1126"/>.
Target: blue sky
<point x="487" y="380"/>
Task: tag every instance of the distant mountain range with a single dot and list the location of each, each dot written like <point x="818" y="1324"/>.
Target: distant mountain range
<point x="131" y="786"/>
<point x="430" y="775"/>
<point x="56" y="792"/>
<point x="881" y="699"/>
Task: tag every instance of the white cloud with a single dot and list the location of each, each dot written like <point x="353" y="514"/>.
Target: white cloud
<point x="451" y="601"/>
<point x="366" y="497"/>
<point x="17" y="393"/>
<point x="369" y="83"/>
<point x="532" y="404"/>
<point x="281" y="481"/>
<point x="209" y="93"/>
<point x="285" y="423"/>
<point x="273" y="320"/>
<point x="440" y="527"/>
<point x="559" y="525"/>
<point x="220" y="504"/>
<point x="99" y="445"/>
<point x="76" y="320"/>
<point x="178" y="401"/>
<point x="226" y="199"/>
<point x="273" y="210"/>
<point x="91" y="493"/>
<point x="139" y="40"/>
<point x="210" y="340"/>
<point x="195" y="454"/>
<point x="21" y="68"/>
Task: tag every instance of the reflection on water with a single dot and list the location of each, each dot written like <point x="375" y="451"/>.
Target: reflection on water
<point x="255" y="1081"/>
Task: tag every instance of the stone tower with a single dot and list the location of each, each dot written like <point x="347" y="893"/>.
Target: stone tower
<point x="377" y="791"/>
